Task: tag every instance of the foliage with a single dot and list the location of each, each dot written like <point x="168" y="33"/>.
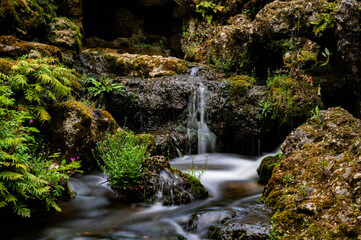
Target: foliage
<point x="25" y="18"/>
<point x="122" y="156"/>
<point x="208" y="9"/>
<point x="326" y="19"/>
<point x="99" y="88"/>
<point x="224" y="62"/>
<point x="39" y="82"/>
<point x="316" y="114"/>
<point x="265" y="108"/>
<point x="18" y="184"/>
<point x="195" y="172"/>
<point x="160" y="43"/>
<point x="56" y="175"/>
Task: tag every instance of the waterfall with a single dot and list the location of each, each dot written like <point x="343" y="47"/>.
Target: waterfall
<point x="197" y="124"/>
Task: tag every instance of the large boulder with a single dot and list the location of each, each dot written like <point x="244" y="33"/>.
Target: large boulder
<point x="75" y="128"/>
<point x="161" y="183"/>
<point x="315" y="191"/>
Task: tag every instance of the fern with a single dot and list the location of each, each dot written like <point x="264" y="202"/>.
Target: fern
<point x="36" y="82"/>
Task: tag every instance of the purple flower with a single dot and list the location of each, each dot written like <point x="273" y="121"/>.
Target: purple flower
<point x="77" y="157"/>
<point x="72" y="159"/>
<point x="31" y="121"/>
<point x="6" y="83"/>
<point x="21" y="131"/>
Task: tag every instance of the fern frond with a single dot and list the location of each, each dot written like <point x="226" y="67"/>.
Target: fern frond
<point x="51" y="203"/>
<point x="3" y="204"/>
<point x="9" y="175"/>
<point x="3" y="189"/>
<point x="19" y="81"/>
<point x="10" y="198"/>
<point x="22" y="210"/>
<point x="41" y="113"/>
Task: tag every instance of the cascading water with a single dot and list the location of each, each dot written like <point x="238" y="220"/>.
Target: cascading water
<point x="197" y="124"/>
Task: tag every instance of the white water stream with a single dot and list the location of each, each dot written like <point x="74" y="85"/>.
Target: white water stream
<point x="95" y="214"/>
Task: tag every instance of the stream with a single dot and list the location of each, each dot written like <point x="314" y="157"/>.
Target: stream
<point x="95" y="213"/>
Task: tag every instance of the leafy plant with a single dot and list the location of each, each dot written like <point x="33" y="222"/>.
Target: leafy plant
<point x="316" y="114"/>
<point x="288" y="178"/>
<point x="266" y="108"/>
<point x="39" y="82"/>
<point x="56" y="173"/>
<point x="195" y="172"/>
<point x="326" y="19"/>
<point x="121" y="157"/>
<point x="208" y="9"/>
<point x="99" y="88"/>
<point x="18" y="184"/>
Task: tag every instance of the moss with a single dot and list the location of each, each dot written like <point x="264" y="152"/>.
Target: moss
<point x="5" y="65"/>
<point x="266" y="167"/>
<point x="322" y="156"/>
<point x="14" y="48"/>
<point x="26" y="19"/>
<point x="239" y="86"/>
<point x="198" y="190"/>
<point x="112" y="124"/>
<point x="65" y="33"/>
<point x="81" y="111"/>
<point x="147" y="139"/>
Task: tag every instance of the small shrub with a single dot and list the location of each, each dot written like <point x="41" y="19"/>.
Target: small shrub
<point x="122" y="156"/>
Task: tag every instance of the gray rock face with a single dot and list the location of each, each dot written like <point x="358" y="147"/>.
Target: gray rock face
<point x="348" y="34"/>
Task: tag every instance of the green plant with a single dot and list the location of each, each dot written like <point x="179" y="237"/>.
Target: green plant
<point x="326" y="19"/>
<point x="266" y="108"/>
<point x="99" y="88"/>
<point x="55" y="172"/>
<point x="288" y="178"/>
<point x="38" y="82"/>
<point x="316" y="114"/>
<point x="18" y="184"/>
<point x="208" y="9"/>
<point x="224" y="62"/>
<point x="195" y="172"/>
<point x="122" y="156"/>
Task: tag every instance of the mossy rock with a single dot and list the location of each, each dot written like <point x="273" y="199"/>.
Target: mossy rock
<point x="266" y="167"/>
<point x="65" y="33"/>
<point x="157" y="175"/>
<point x="239" y="87"/>
<point x="316" y="184"/>
<point x="25" y="19"/>
<point x="11" y="47"/>
<point x="75" y="128"/>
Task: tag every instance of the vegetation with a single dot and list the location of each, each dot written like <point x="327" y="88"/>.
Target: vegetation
<point x="39" y="82"/>
<point x="208" y="9"/>
<point x="121" y="157"/>
<point x="326" y="19"/>
<point x="100" y="88"/>
<point x="22" y="179"/>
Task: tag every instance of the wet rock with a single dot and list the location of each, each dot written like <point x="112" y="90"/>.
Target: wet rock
<point x="266" y="167"/>
<point x="161" y="183"/>
<point x="110" y="61"/>
<point x="239" y="231"/>
<point x="312" y="190"/>
<point x="74" y="130"/>
<point x="348" y="34"/>
<point x="12" y="47"/>
<point x="64" y="33"/>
